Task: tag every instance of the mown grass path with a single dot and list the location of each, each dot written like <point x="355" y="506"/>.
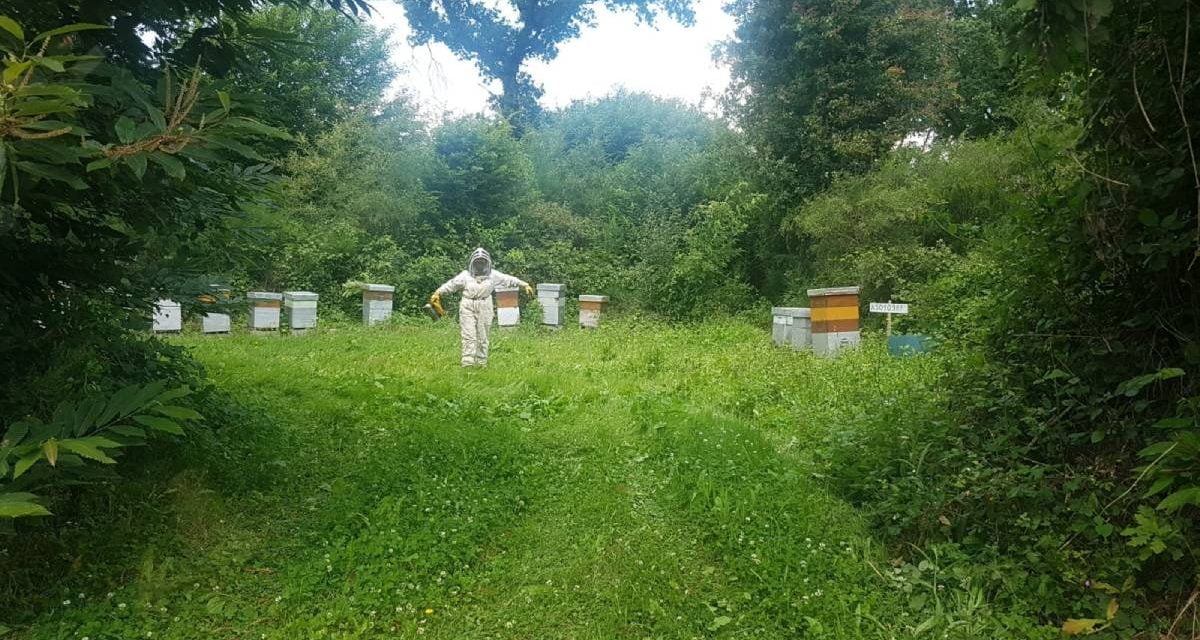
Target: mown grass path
<point x="624" y="483"/>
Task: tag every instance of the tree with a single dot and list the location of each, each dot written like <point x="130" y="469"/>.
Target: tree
<point x="322" y="68"/>
<point x="500" y="39"/>
<point x="186" y="31"/>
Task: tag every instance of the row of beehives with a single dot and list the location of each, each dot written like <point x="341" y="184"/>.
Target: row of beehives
<point x="267" y="309"/>
<point x="829" y="325"/>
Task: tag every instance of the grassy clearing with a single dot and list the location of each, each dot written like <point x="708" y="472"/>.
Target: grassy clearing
<point x="634" y="482"/>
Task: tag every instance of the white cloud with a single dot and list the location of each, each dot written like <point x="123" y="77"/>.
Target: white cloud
<point x="669" y="60"/>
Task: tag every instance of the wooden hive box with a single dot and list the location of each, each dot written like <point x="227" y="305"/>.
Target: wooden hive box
<point x="553" y="298"/>
<point x="301" y="309"/>
<point x="168" y="317"/>
<point x="834" y="319"/>
<point x="508" y="306"/>
<point x="215" y="322"/>
<point x="264" y="310"/>
<point x="791" y="326"/>
<point x="377" y="303"/>
<point x="590" y="309"/>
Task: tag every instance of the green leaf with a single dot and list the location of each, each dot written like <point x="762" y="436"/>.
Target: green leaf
<point x="89" y="448"/>
<point x="17" y="505"/>
<point x="719" y="622"/>
<point x="170" y="164"/>
<point x="178" y="413"/>
<point x="137" y="162"/>
<point x="1077" y="626"/>
<point x="13" y="71"/>
<point x="23" y="464"/>
<point x="258" y="128"/>
<point x="223" y="96"/>
<point x="125" y="128"/>
<point x="156" y="116"/>
<point x="50" y="448"/>
<point x="236" y="147"/>
<point x="51" y="64"/>
<point x="11" y="26"/>
<point x="70" y="28"/>
<point x="173" y="394"/>
<point x="129" y="431"/>
<point x="49" y="172"/>
<point x="159" y="424"/>
<point x="1180" y="499"/>
<point x="42" y="107"/>
<point x="15" y="434"/>
<point x="102" y="163"/>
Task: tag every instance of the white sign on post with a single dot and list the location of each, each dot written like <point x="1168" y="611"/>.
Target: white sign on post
<point x="889" y="307"/>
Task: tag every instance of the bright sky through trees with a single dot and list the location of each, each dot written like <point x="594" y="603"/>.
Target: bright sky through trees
<point x="668" y="60"/>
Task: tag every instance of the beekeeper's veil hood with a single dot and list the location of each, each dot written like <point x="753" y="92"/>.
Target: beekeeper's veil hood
<point x="480" y="263"/>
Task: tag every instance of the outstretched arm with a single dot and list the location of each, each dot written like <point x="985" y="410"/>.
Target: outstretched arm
<point x="504" y="280"/>
<point x="453" y="284"/>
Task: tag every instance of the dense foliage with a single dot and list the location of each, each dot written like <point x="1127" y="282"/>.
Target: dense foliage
<point x="1023" y="173"/>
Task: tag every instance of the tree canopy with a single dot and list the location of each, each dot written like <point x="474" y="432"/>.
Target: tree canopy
<point x="501" y="38"/>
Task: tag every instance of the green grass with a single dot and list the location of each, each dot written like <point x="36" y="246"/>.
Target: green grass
<point x="631" y="482"/>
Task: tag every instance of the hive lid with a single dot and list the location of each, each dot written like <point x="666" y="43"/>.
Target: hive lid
<point x="506" y="289"/>
<point x="795" y="312"/>
<point x="166" y="303"/>
<point x="379" y="287"/>
<point x="550" y="287"/>
<point x="834" y="291"/>
<point x="264" y="295"/>
<point x="589" y="298"/>
<point x="299" y="295"/>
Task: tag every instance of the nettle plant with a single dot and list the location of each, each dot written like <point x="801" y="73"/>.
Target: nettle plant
<point x="35" y="453"/>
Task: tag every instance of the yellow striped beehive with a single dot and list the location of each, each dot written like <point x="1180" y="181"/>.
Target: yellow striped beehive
<point x="834" y="319"/>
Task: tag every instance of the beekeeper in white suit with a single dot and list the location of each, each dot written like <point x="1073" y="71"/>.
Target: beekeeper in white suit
<point x="476" y="283"/>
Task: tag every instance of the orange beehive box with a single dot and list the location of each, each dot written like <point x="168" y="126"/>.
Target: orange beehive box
<point x="834" y="319"/>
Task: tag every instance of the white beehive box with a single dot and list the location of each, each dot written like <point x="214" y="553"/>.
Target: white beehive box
<point x="301" y="307"/>
<point x="791" y="326"/>
<point x="264" y="310"/>
<point x="590" y="310"/>
<point x="553" y="298"/>
<point x="508" y="306"/>
<point x="215" y="323"/>
<point x="168" y="316"/>
<point x="377" y="303"/>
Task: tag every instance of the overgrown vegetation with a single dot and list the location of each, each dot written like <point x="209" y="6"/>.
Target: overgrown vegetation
<point x="1023" y="173"/>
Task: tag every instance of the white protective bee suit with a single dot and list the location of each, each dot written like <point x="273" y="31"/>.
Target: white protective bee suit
<point x="477" y="283"/>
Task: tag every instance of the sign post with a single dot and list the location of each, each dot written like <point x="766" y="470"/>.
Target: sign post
<point x="889" y="308"/>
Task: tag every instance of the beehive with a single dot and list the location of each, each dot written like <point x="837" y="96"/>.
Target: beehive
<point x="301" y="309"/>
<point x="590" y="310"/>
<point x="508" y="309"/>
<point x="834" y="319"/>
<point x="553" y="298"/>
<point x="791" y="326"/>
<point x="377" y="303"/>
<point x="264" y="310"/>
<point x="168" y="316"/>
<point x="215" y="322"/>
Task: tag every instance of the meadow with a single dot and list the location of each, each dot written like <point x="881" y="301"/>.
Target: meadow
<point x="640" y="481"/>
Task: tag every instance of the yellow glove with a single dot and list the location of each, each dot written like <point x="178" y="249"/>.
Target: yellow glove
<point x="529" y="291"/>
<point x="435" y="299"/>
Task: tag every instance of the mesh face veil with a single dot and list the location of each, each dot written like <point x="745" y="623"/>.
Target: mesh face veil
<point x="480" y="263"/>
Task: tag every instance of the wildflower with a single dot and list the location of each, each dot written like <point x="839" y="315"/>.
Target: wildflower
<point x="429" y="612"/>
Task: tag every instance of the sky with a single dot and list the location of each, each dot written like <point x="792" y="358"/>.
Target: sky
<point x="668" y="60"/>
